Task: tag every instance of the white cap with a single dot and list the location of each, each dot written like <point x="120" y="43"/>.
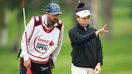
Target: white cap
<point x="83" y="13"/>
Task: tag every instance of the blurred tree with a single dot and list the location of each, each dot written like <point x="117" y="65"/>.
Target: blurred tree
<point x="107" y="14"/>
<point x="95" y="11"/>
<point x="3" y="23"/>
<point x="32" y="7"/>
<point x="131" y="10"/>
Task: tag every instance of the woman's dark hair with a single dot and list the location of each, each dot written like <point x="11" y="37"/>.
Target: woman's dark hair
<point x="80" y="7"/>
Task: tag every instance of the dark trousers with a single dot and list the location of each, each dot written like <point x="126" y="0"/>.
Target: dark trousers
<point x="37" y="68"/>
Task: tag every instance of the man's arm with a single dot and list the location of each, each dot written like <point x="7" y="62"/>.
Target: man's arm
<point x="25" y="40"/>
<point x="56" y="52"/>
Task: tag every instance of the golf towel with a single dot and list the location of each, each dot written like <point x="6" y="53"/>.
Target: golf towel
<point x="29" y="71"/>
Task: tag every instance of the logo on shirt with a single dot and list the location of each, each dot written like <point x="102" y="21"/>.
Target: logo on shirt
<point x="44" y="68"/>
<point x="42" y="45"/>
<point x="51" y="43"/>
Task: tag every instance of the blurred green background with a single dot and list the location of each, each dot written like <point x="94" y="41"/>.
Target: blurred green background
<point x="117" y="49"/>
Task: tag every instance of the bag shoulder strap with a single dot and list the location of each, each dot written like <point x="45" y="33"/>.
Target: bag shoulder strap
<point x="37" y="21"/>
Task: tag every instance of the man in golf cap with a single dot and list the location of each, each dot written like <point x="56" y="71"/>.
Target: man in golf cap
<point x="87" y="49"/>
<point x="41" y="41"/>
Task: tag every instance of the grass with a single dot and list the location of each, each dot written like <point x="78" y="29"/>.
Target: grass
<point x="8" y="62"/>
<point x="117" y="56"/>
<point x="117" y="51"/>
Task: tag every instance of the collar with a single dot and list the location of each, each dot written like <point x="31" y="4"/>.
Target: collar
<point x="85" y="29"/>
<point x="44" y="19"/>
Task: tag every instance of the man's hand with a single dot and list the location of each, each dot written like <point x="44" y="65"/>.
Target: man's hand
<point x="102" y="30"/>
<point x="27" y="63"/>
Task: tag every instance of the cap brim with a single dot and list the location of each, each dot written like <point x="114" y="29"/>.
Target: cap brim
<point x="83" y="13"/>
<point x="55" y="13"/>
